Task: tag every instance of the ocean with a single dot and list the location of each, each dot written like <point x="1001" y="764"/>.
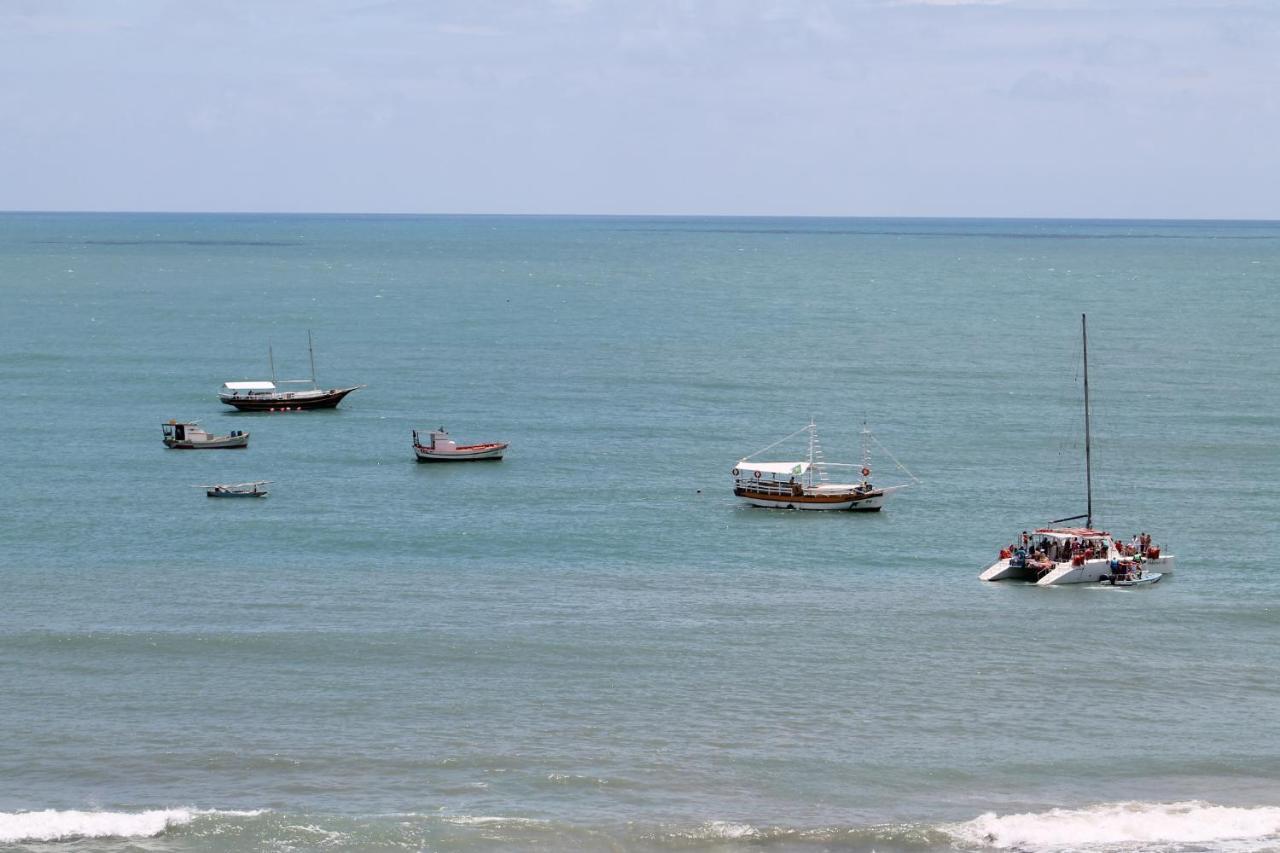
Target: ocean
<point x="592" y="645"/>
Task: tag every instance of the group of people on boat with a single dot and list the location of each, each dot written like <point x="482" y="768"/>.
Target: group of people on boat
<point x="1139" y="546"/>
<point x="1053" y="550"/>
<point x="1047" y="550"/>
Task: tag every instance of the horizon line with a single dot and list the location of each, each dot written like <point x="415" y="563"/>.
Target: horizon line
<point x="424" y="215"/>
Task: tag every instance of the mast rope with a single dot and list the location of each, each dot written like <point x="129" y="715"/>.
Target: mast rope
<point x="804" y="428"/>
<point x="889" y="453"/>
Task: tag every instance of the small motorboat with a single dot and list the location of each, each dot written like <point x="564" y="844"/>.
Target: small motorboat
<point x="187" y="435"/>
<point x="1130" y="573"/>
<point x="236" y="490"/>
<point x="441" y="448"/>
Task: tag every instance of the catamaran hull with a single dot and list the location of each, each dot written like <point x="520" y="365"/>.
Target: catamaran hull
<point x="288" y="403"/>
<point x="1091" y="571"/>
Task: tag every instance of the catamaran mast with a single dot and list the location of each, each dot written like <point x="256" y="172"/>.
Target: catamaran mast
<point x="1088" y="462"/>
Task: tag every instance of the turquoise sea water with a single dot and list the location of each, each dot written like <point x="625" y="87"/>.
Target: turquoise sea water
<point x="591" y="645"/>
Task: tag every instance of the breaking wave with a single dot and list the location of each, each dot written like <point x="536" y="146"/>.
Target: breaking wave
<point x="1128" y="826"/>
<point x="53" y="825"/>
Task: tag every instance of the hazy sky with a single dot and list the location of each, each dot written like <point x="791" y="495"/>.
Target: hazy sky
<point x="1124" y="108"/>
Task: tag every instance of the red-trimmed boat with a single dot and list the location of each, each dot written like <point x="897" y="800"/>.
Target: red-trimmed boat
<point x="441" y="448"/>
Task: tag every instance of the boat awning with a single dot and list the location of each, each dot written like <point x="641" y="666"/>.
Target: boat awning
<point x="249" y="386"/>
<point x="1072" y="532"/>
<point x="784" y="469"/>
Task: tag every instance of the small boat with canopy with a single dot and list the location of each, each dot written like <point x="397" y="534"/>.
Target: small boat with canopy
<point x="806" y="483"/>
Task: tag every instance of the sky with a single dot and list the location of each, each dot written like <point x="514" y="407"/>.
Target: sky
<point x="1020" y="108"/>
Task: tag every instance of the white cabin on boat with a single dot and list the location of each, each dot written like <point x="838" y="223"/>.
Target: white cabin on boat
<point x="249" y="389"/>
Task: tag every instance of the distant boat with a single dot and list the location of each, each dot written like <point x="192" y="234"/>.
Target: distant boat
<point x="187" y="435"/>
<point x="236" y="490"/>
<point x="1062" y="555"/>
<point x="441" y="448"/>
<point x="263" y="396"/>
<point x="802" y="483"/>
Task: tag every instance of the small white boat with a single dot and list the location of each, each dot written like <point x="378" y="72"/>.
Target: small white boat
<point x="802" y="484"/>
<point x="441" y="448"/>
<point x="236" y="490"/>
<point x="1130" y="573"/>
<point x="187" y="435"/>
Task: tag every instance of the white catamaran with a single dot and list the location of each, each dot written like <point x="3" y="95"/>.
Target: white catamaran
<point x="1061" y="555"/>
<point x="803" y="484"/>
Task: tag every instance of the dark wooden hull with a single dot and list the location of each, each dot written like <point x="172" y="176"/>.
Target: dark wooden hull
<point x="281" y="403"/>
<point x="207" y="447"/>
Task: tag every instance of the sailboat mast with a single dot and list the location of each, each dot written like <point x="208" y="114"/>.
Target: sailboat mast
<point x="272" y="359"/>
<point x="311" y="351"/>
<point x="813" y="434"/>
<point x="1088" y="462"/>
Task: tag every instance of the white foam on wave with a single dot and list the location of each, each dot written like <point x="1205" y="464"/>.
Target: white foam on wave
<point x="1128" y="826"/>
<point x="488" y="820"/>
<point x="723" y="829"/>
<point x="53" y="825"/>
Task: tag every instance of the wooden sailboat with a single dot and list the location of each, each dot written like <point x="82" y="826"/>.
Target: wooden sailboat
<point x="263" y="396"/>
<point x="803" y="483"/>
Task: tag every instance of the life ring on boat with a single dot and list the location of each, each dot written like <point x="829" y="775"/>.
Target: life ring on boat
<point x="736" y="472"/>
<point x="756" y="474"/>
<point x="866" y="472"/>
